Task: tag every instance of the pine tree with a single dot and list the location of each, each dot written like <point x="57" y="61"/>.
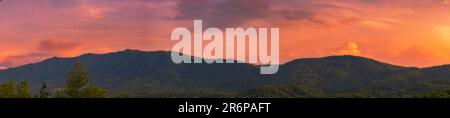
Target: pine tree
<point x="43" y="92"/>
<point x="23" y="90"/>
<point x="76" y="80"/>
<point x="77" y="84"/>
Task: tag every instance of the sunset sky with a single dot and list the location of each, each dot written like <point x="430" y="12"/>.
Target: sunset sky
<point x="401" y="32"/>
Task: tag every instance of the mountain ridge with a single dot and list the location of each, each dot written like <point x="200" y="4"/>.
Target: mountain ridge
<point x="147" y="73"/>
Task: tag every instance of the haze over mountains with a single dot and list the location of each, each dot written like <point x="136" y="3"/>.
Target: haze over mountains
<point x="152" y="74"/>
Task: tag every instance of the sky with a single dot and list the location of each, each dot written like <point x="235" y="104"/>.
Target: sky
<point x="400" y="32"/>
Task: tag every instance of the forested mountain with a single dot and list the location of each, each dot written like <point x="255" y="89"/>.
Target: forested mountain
<point x="152" y="74"/>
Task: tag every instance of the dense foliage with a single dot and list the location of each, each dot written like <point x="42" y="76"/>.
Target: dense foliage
<point x="134" y="73"/>
<point x="77" y="86"/>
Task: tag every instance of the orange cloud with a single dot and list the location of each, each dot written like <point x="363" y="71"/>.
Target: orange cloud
<point x="349" y="48"/>
<point x="445" y="2"/>
<point x="420" y="56"/>
<point x="20" y="59"/>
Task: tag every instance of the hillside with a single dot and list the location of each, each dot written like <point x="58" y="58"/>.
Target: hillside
<point x="152" y="74"/>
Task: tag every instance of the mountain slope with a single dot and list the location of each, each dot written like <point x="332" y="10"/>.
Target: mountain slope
<point x="339" y="73"/>
<point x="132" y="68"/>
<point x="153" y="73"/>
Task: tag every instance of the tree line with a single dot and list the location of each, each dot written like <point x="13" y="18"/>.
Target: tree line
<point x="77" y="86"/>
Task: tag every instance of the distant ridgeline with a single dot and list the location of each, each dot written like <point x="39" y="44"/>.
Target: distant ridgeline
<point x="153" y="74"/>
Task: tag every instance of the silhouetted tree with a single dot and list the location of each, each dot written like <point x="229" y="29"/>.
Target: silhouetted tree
<point x="77" y="84"/>
<point x="43" y="91"/>
<point x="23" y="90"/>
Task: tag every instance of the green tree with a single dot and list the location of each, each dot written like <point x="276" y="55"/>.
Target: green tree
<point x="43" y="91"/>
<point x="8" y="89"/>
<point x="444" y="93"/>
<point x="92" y="91"/>
<point x="23" y="90"/>
<point x="77" y="84"/>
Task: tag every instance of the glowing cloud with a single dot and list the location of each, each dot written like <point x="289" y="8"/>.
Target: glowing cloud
<point x="350" y="48"/>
